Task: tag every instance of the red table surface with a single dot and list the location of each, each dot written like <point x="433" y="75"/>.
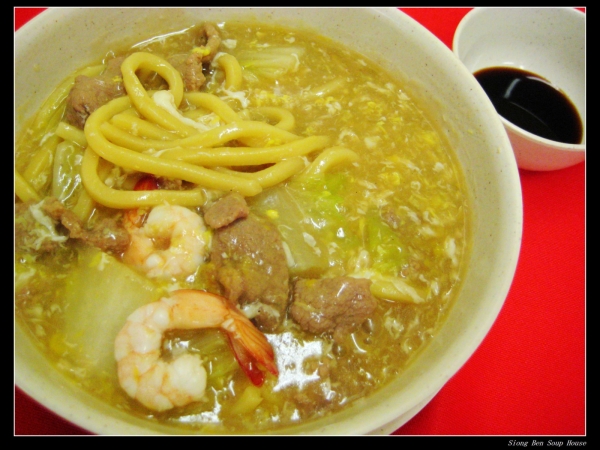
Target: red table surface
<point x="528" y="377"/>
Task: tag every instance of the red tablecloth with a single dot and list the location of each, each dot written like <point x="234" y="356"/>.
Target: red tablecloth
<point x="528" y="377"/>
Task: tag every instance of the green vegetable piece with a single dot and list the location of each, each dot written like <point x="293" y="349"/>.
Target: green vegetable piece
<point x="384" y="245"/>
<point x="271" y="62"/>
<point x="310" y="215"/>
<point x="66" y="178"/>
<point x="216" y="355"/>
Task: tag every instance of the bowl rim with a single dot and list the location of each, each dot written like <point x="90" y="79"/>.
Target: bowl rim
<point x="81" y="416"/>
<point x="539" y="140"/>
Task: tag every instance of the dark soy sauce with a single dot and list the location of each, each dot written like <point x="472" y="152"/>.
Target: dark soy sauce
<point x="532" y="103"/>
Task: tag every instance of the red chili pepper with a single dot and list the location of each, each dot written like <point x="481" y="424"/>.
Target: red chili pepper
<point x="146" y="183"/>
<point x="136" y="217"/>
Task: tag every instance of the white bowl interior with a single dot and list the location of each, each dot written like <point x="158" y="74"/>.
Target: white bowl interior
<point x="444" y="88"/>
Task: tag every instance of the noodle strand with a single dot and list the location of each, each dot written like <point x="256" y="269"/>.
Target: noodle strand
<point x="245" y="156"/>
<point x="130" y="159"/>
<point x="114" y="198"/>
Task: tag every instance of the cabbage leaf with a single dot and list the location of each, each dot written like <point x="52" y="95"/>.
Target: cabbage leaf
<point x="99" y="296"/>
<point x="270" y="62"/>
<point x="310" y="215"/>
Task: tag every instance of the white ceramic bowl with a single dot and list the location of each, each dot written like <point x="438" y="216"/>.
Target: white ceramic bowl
<point x="546" y="41"/>
<point x="61" y="40"/>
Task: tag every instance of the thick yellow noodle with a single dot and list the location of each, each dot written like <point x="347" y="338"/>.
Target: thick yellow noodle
<point x="211" y="138"/>
<point x="329" y="158"/>
<point x="273" y="175"/>
<point x="136" y="133"/>
<point x="136" y="126"/>
<point x="285" y="119"/>
<point x="71" y="133"/>
<point x="115" y="198"/>
<point x="244" y="156"/>
<point x="140" y="98"/>
<point x="212" y="103"/>
<point x="130" y="159"/>
<point x="233" y="71"/>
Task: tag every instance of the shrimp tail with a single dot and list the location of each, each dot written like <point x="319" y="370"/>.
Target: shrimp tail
<point x="251" y="350"/>
<point x="249" y="345"/>
<point x="246" y="362"/>
<point x="162" y="385"/>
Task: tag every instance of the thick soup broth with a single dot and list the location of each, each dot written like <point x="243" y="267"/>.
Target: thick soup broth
<point x="380" y="198"/>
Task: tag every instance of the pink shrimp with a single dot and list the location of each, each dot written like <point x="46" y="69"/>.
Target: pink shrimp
<point x="168" y="241"/>
<point x="162" y="385"/>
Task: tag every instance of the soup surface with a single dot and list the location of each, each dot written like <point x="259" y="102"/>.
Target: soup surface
<point x="344" y="240"/>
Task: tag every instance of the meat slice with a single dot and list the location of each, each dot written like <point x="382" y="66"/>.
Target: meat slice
<point x="190" y="68"/>
<point x="226" y="210"/>
<point x="90" y="93"/>
<point x="252" y="268"/>
<point x="108" y="235"/>
<point x="35" y="233"/>
<point x="190" y="65"/>
<point x="40" y="228"/>
<point x="332" y="305"/>
<point x="210" y="39"/>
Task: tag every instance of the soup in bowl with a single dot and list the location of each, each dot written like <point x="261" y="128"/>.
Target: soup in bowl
<point x="242" y="221"/>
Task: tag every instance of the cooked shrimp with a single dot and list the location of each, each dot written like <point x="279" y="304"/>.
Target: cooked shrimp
<point x="161" y="385"/>
<point x="171" y="243"/>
